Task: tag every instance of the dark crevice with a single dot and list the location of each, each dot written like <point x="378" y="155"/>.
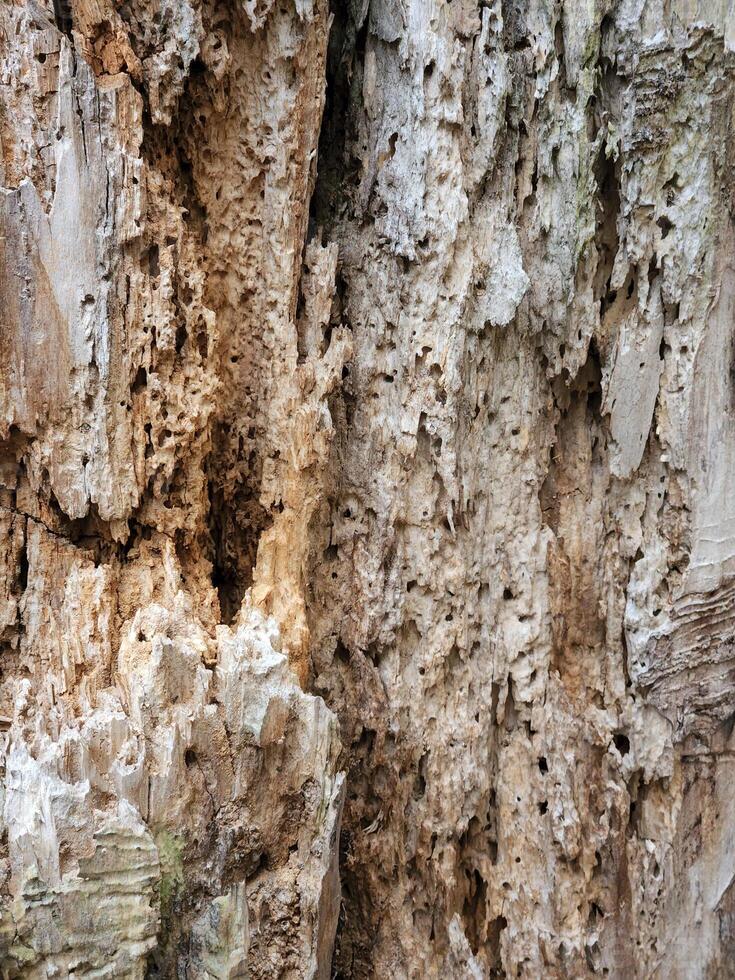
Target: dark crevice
<point x="515" y="29"/>
<point x="23" y="569"/>
<point x="607" y="176"/>
<point x="235" y="527"/>
<point x="64" y="17"/>
<point x="338" y="173"/>
<point x="568" y="91"/>
<point x="622" y="743"/>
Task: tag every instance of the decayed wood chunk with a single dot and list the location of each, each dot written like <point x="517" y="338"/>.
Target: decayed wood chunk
<point x="366" y="440"/>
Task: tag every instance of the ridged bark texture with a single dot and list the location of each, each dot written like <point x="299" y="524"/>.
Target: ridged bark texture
<point x="367" y="423"/>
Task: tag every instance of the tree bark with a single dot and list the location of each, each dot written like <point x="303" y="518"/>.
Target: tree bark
<point x="368" y="421"/>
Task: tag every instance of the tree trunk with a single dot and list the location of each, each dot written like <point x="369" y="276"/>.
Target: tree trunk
<point x="368" y="421"/>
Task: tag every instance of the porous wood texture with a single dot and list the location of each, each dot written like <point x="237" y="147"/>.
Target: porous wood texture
<point x="367" y="423"/>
